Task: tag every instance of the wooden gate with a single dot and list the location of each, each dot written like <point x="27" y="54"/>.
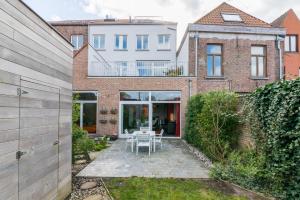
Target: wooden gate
<point x="30" y="159"/>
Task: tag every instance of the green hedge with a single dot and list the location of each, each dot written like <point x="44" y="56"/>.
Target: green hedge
<point x="273" y="113"/>
<point x="277" y="109"/>
<point x="211" y="123"/>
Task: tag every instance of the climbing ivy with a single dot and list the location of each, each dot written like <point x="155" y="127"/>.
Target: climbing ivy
<point x="276" y="108"/>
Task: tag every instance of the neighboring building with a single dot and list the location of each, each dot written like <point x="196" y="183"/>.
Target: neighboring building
<point x="35" y="107"/>
<point x="291" y="23"/>
<point x="128" y="76"/>
<point x="230" y="49"/>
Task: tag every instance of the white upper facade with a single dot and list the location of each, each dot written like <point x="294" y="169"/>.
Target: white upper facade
<point x="132" y="49"/>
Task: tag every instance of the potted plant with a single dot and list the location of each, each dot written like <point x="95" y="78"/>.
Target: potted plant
<point x="113" y="111"/>
<point x="103" y="111"/>
<point x="112" y="121"/>
<point x="103" y="121"/>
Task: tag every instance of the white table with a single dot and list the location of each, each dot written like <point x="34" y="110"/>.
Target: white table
<point x="152" y="135"/>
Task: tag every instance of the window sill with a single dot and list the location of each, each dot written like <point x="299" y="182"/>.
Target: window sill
<point x="100" y="49"/>
<point x="120" y="49"/>
<point x="259" y="78"/>
<point x="215" y="77"/>
<point x="163" y="49"/>
<point x="142" y="50"/>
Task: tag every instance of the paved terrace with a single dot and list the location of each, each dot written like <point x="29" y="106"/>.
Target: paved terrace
<point x="173" y="161"/>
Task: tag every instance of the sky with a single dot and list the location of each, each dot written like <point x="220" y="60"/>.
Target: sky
<point x="180" y="11"/>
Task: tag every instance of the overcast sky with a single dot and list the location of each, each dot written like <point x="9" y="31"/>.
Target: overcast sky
<point x="180" y="11"/>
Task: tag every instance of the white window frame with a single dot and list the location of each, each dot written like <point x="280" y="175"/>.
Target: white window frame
<point x="164" y="46"/>
<point x="121" y="41"/>
<point x="231" y="17"/>
<point x="150" y="106"/>
<point x="143" y="37"/>
<point x="77" y="45"/>
<point x="81" y="102"/>
<point x="101" y="38"/>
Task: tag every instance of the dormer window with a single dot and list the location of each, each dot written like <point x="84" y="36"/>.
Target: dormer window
<point x="231" y="17"/>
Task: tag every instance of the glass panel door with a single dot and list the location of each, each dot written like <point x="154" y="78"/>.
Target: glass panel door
<point x="89" y="115"/>
<point x="134" y="116"/>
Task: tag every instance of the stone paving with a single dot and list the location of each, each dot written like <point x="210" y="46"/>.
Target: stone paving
<point x="172" y="161"/>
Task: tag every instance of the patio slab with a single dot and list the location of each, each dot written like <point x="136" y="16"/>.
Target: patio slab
<point x="173" y="161"/>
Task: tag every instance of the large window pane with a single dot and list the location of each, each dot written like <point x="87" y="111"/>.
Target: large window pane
<point x="165" y="96"/>
<point x="260" y="66"/>
<point x="89" y="117"/>
<point x="134" y="117"/>
<point x="139" y="42"/>
<point x="214" y="49"/>
<point x="124" y="42"/>
<point x="256" y="50"/>
<point x="253" y="66"/>
<point x="217" y="63"/>
<point x="293" y="43"/>
<point x="210" y="66"/>
<point x="134" y="96"/>
<point x="287" y="43"/>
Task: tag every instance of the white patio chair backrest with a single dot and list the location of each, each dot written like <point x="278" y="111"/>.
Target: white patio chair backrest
<point x="143" y="137"/>
<point x="144" y="129"/>
<point x="126" y="132"/>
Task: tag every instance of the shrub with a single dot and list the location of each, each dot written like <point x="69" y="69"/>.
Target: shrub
<point x="244" y="168"/>
<point x="194" y="107"/>
<point x="276" y="108"/>
<point x="212" y="123"/>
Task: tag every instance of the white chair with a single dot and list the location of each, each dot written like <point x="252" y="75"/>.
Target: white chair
<point x="143" y="140"/>
<point x="158" y="138"/>
<point x="144" y="129"/>
<point x="129" y="139"/>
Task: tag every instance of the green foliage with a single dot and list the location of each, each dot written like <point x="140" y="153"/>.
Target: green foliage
<point x="194" y="107"/>
<point x="212" y="123"/>
<point x="276" y="111"/>
<point x="167" y="189"/>
<point x="243" y="168"/>
<point x="81" y="143"/>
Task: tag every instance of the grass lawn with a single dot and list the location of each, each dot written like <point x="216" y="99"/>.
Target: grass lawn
<point x="164" y="189"/>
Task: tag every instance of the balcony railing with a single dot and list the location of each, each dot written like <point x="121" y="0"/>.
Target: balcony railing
<point x="138" y="69"/>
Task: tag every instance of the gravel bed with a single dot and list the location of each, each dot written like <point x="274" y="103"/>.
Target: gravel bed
<point x="79" y="194"/>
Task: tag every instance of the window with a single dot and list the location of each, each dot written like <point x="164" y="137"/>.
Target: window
<point x="87" y="102"/>
<point x="99" y="41"/>
<point x="77" y="41"/>
<point x="142" y="42"/>
<point x="166" y="96"/>
<point x="258" y="61"/>
<point x="164" y="42"/>
<point x="134" y="96"/>
<point x="291" y="43"/>
<point x="121" y="42"/>
<point x="231" y="17"/>
<point x="214" y="60"/>
<point x="122" y="67"/>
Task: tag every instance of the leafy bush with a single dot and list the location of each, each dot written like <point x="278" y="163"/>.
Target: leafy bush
<point x="243" y="168"/>
<point x="276" y="108"/>
<point x="194" y="107"/>
<point x="212" y="123"/>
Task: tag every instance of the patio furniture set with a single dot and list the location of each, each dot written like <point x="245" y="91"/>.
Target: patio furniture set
<point x="144" y="138"/>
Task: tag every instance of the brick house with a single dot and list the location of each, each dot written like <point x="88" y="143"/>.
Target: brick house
<point x="232" y="50"/>
<point x="291" y="23"/>
<point x="128" y="74"/>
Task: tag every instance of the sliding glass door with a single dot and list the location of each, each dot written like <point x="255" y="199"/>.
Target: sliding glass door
<point x="134" y="116"/>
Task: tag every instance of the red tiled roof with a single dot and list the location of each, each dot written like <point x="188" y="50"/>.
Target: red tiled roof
<point x="279" y="22"/>
<point x="215" y="17"/>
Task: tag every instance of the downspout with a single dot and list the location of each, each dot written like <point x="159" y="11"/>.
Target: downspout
<point x="196" y="36"/>
<point x="278" y="40"/>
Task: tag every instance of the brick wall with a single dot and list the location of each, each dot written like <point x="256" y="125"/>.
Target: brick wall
<point x="67" y="31"/>
<point x="236" y="62"/>
<point x="109" y="90"/>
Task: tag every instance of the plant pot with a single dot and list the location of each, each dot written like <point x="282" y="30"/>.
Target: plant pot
<point x="113" y="111"/>
<point x="103" y="121"/>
